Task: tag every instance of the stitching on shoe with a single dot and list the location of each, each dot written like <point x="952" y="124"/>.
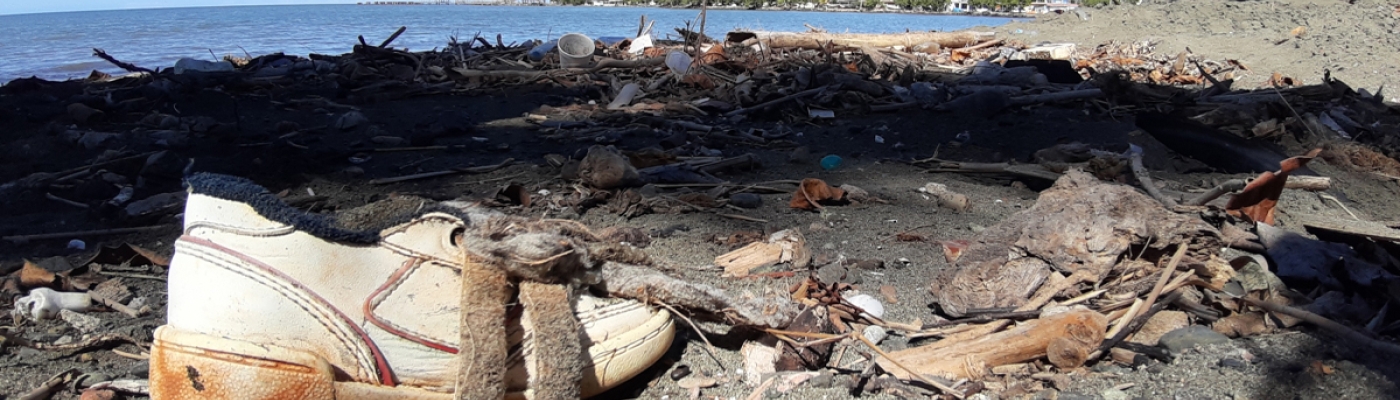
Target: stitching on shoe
<point x="265" y="232"/>
<point x="298" y="294"/>
<point x="383" y="292"/>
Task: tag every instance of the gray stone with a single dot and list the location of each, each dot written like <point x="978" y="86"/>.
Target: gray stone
<point x="1232" y="363"/>
<point x="350" y="120"/>
<point x="1114" y="394"/>
<point x="746" y="200"/>
<point x="1189" y="337"/>
<point x="822" y="381"/>
<point x="85" y="323"/>
<point x="832" y="273"/>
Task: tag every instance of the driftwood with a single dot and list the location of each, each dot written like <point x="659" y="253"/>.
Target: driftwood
<point x="783" y="246"/>
<point x="1067" y="338"/>
<point x="951" y="40"/>
<point x="1308" y="183"/>
<point x="434" y="174"/>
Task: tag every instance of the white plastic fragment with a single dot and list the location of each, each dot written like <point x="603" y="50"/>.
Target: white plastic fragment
<point x="871" y="306"/>
<point x="45" y="303"/>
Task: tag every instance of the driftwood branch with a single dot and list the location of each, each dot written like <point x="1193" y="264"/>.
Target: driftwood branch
<point x="780" y="100"/>
<point x="119" y="63"/>
<point x="1308" y="183"/>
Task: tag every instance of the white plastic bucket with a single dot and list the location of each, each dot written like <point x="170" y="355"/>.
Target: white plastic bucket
<point x="575" y="51"/>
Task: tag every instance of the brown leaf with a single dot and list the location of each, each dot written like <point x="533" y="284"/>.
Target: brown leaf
<point x="1319" y="368"/>
<point x="35" y="276"/>
<point x="952" y="249"/>
<point x="1256" y="202"/>
<point x="515" y="194"/>
<point x="812" y="193"/>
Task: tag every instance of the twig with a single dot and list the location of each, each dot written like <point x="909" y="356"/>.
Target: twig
<point x="920" y="377"/>
<point x="758" y="392"/>
<point x="133" y="356"/>
<point x="1166" y="275"/>
<point x="50" y="196"/>
<point x="130" y="275"/>
<point x="46" y="389"/>
<point x="69" y="235"/>
<point x="434" y="174"/>
<point x="1134" y="325"/>
<point x="1145" y="180"/>
<point x="780" y="100"/>
<point x="743" y="218"/>
<point x="392" y="37"/>
<point x="709" y="348"/>
<point x="985" y="318"/>
<point x="1324" y="323"/>
<point x="123" y="65"/>
<point x="1326" y="196"/>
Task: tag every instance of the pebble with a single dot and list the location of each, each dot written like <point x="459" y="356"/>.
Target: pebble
<point x="832" y="273"/>
<point x="822" y="381"/>
<point x="85" y="323"/>
<point x="1189" y="337"/>
<point x="350" y="120"/>
<point x="1114" y="394"/>
<point x="1232" y="363"/>
<point x="681" y="371"/>
<point x="746" y="200"/>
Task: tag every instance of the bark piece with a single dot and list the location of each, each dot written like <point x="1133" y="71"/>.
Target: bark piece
<point x="1067" y="334"/>
<point x="1080" y="223"/>
<point x="648" y="285"/>
<point x="1259" y="197"/>
<point x="32" y="275"/>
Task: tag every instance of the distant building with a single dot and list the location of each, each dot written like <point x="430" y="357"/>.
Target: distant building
<point x="1053" y="6"/>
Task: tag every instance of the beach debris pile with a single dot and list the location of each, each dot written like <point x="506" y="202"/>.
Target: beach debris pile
<point x="1110" y="265"/>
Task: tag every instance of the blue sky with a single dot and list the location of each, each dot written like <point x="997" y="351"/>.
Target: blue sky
<point x="38" y="6"/>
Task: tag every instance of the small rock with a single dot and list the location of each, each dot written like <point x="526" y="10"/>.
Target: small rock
<point x="679" y="372"/>
<point x="1182" y="339"/>
<point x="1114" y="394"/>
<point x="285" y="127"/>
<point x="856" y="194"/>
<point x="800" y="155"/>
<point x="822" y="380"/>
<point x="867" y="264"/>
<point x="350" y="120"/>
<point x="606" y="168"/>
<point x="82" y="114"/>
<point x="833" y="273"/>
<point x="696" y="382"/>
<point x="101" y="394"/>
<point x="746" y="200"/>
<point x="1232" y="363"/>
<point x="85" y="323"/>
<point x="1157" y="368"/>
<point x="388" y="140"/>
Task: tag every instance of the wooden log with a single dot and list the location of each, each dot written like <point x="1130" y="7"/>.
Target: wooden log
<point x="815" y="41"/>
<point x="1070" y="335"/>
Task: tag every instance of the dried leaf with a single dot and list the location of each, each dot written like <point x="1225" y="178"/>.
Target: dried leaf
<point x="812" y="193"/>
<point x="1256" y="202"/>
<point x="952" y="249"/>
<point x="515" y="194"/>
<point x="889" y="293"/>
<point x="35" y="276"/>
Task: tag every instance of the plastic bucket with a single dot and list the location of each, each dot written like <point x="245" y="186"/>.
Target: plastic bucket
<point x="575" y="51"/>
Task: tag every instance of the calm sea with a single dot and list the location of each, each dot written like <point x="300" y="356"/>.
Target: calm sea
<point x="59" y="45"/>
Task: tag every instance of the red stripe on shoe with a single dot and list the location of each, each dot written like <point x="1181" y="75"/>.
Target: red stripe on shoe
<point x="386" y="375"/>
<point x="373" y="299"/>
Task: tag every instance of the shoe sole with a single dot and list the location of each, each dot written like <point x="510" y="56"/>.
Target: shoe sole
<point x="186" y="365"/>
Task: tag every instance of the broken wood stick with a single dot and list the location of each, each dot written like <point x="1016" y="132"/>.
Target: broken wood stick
<point x="1056" y="97"/>
<point x="76" y="234"/>
<point x="1140" y="172"/>
<point x="1308" y="183"/>
<point x="780" y="100"/>
<point x="47" y="388"/>
<point x="1326" y="324"/>
<point x="970" y="359"/>
<point x="1134" y="325"/>
<point x="434" y="174"/>
<point x="392" y="37"/>
<point x="129" y="67"/>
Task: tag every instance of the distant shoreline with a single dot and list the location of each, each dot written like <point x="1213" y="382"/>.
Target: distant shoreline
<point x="989" y="14"/>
